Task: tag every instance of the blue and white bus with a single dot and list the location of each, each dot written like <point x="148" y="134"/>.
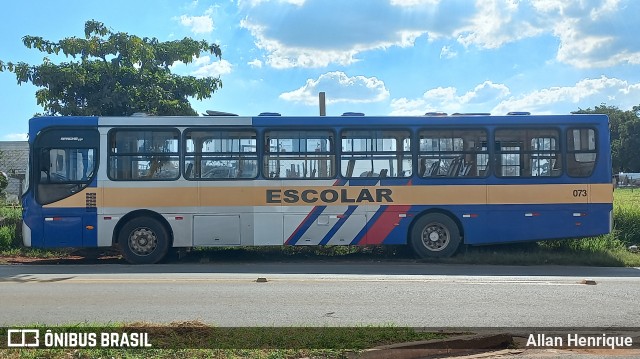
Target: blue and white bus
<point x="147" y="184"/>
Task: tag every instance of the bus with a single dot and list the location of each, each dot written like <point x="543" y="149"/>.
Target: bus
<point x="149" y="184"/>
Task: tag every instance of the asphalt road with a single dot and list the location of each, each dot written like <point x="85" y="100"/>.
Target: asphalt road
<point x="321" y="294"/>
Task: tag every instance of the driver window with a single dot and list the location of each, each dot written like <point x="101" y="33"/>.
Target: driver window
<point x="66" y="165"/>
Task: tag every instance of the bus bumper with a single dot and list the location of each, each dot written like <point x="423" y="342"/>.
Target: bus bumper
<point x="26" y="235"/>
<point x="610" y="221"/>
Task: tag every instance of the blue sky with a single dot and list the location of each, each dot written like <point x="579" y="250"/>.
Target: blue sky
<point x="380" y="57"/>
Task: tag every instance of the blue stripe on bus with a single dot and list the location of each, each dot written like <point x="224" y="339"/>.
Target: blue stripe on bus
<point x="338" y="224"/>
<point x="311" y="217"/>
<point x="306" y="223"/>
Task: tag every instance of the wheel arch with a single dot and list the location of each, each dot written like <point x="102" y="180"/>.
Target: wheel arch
<point x="141" y="213"/>
<point x="447" y="213"/>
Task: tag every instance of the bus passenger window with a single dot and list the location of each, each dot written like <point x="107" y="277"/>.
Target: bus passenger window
<point x="453" y="153"/>
<point x="299" y="154"/>
<point x="527" y="152"/>
<point x="581" y="152"/>
<point x="381" y="154"/>
<point x="214" y="154"/>
<point x="143" y="155"/>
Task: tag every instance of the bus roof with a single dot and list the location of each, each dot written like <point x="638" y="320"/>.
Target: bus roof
<point x="36" y="124"/>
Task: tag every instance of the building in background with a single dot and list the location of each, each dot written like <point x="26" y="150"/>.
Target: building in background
<point x="14" y="158"/>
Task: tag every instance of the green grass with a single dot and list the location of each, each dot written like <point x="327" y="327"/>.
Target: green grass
<point x="626" y="212"/>
<point x="10" y="212"/>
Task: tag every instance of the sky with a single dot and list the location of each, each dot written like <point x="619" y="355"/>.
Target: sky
<point x="379" y="57"/>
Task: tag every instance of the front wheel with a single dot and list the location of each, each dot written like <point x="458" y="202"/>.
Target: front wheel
<point x="435" y="235"/>
<point x="143" y="240"/>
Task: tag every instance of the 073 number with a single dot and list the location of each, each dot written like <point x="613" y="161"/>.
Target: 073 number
<point x="579" y="192"/>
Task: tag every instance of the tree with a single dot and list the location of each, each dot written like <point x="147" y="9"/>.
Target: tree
<point x="625" y="136"/>
<point x="4" y="182"/>
<point x="115" y="74"/>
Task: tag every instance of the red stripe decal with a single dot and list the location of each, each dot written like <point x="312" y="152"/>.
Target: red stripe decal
<point x="387" y="221"/>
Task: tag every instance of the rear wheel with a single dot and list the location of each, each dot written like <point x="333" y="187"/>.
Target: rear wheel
<point x="435" y="235"/>
<point x="143" y="240"/>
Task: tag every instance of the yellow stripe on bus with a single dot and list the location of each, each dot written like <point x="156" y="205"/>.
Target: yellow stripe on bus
<point x="341" y="195"/>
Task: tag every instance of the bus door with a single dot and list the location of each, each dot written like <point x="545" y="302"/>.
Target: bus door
<point x="65" y="162"/>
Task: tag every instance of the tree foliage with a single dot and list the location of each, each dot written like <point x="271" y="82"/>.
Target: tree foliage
<point x="4" y="182"/>
<point x="625" y="136"/>
<point x="114" y="73"/>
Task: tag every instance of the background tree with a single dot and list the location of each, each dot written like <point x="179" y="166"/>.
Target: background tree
<point x="625" y="136"/>
<point x="4" y="182"/>
<point x="115" y="74"/>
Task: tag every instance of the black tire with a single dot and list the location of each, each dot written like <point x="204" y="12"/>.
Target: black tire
<point x="435" y="235"/>
<point x="143" y="240"/>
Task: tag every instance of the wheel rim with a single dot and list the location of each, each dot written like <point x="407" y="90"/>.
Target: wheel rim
<point x="142" y="241"/>
<point x="435" y="236"/>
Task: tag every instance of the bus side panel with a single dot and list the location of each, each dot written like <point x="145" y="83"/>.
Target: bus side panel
<point x="53" y="226"/>
<point x="73" y="221"/>
<point x="62" y="227"/>
<point x="70" y="222"/>
<point x="516" y="223"/>
<point x="598" y="221"/>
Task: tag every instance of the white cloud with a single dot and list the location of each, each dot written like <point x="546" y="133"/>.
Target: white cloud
<point x="498" y="22"/>
<point x="281" y="56"/>
<point x="203" y="66"/>
<point x="255" y="63"/>
<point x="498" y="99"/>
<point x="199" y="24"/>
<point x="192" y="5"/>
<point x="253" y="3"/>
<point x="446" y="99"/>
<point x="593" y="33"/>
<point x="213" y="69"/>
<point x="590" y="33"/>
<point x="15" y="137"/>
<point x="303" y="37"/>
<point x="585" y="93"/>
<point x="202" y="60"/>
<point x="447" y="53"/>
<point x="410" y="3"/>
<point x="339" y="88"/>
